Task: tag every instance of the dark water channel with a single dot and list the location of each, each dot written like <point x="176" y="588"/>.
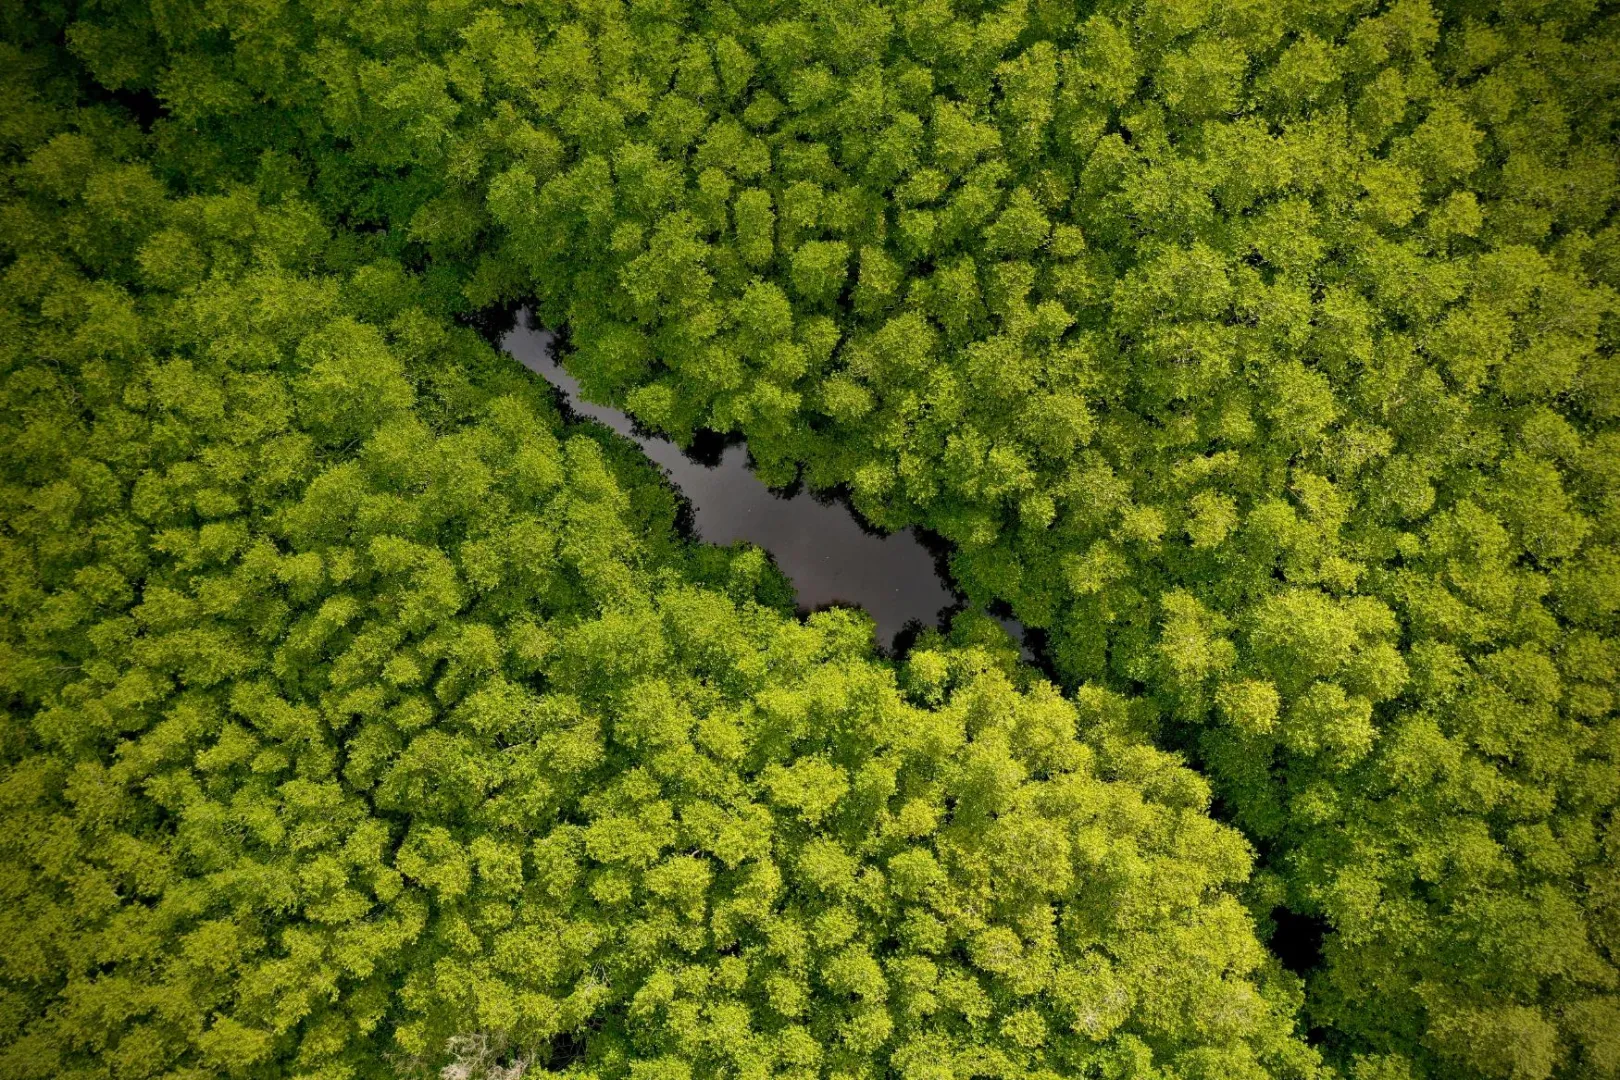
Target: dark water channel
<point x="831" y="557"/>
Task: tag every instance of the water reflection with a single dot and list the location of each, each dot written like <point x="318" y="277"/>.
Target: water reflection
<point x="821" y="546"/>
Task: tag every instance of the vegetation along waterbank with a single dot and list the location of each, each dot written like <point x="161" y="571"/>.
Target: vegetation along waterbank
<point x="1261" y="355"/>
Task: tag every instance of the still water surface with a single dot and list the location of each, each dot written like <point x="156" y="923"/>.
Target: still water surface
<point x="828" y="554"/>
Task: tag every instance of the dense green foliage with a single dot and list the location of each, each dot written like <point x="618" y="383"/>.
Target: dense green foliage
<point x="361" y="716"/>
<point x="1263" y="353"/>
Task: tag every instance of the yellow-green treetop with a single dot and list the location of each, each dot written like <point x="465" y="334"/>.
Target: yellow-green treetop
<point x="362" y="719"/>
<point x="1261" y="352"/>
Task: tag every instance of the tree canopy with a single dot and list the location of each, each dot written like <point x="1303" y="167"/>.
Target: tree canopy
<point x="364" y="719"/>
<point x="1262" y="353"/>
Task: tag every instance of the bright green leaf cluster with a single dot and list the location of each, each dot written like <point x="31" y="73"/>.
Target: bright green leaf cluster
<point x="364" y="720"/>
<point x="1263" y="353"/>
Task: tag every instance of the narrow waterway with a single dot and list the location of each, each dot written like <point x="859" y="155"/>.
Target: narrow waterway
<point x="823" y="548"/>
